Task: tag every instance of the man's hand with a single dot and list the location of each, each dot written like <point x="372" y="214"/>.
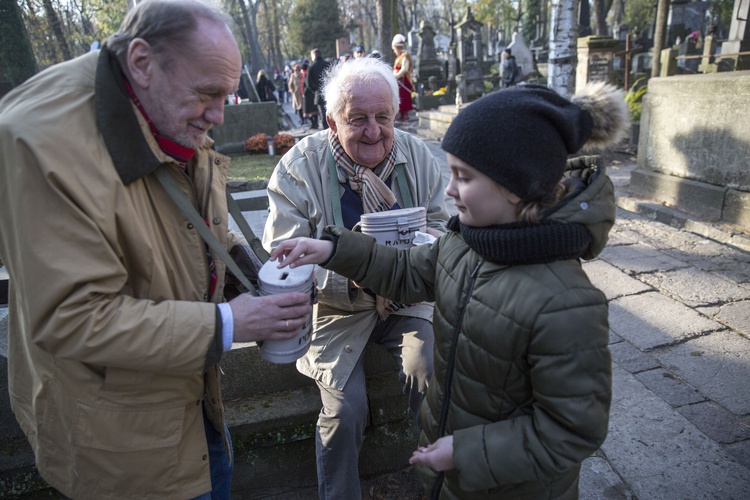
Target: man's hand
<point x="437" y="456"/>
<point x="271" y="317"/>
<point x="299" y="251"/>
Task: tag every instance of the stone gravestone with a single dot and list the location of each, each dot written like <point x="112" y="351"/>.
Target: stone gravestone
<point x="522" y="53"/>
<point x="428" y="65"/>
<point x="684" y="18"/>
<point x="453" y="65"/>
<point x="469" y="36"/>
<point x="595" y="56"/>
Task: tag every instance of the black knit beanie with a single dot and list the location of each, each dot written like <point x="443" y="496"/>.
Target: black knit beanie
<point x="520" y="137"/>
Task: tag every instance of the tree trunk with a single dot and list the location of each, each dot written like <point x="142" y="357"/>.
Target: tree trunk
<point x="561" y="68"/>
<point x="250" y="19"/>
<point x="659" y="35"/>
<point x="18" y="62"/>
<point x="387" y="14"/>
<point x="56" y="28"/>
<point x="601" y="9"/>
<point x="276" y="37"/>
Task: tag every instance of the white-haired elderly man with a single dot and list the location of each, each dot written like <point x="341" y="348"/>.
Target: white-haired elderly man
<point x="333" y="177"/>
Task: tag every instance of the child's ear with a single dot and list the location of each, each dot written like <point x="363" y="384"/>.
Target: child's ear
<point x="513" y="198"/>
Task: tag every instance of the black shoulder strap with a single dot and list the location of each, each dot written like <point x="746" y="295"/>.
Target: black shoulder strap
<point x="164" y="177"/>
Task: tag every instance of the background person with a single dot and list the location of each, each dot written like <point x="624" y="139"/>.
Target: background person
<point x="359" y="51"/>
<point x="511" y="71"/>
<point x="295" y="89"/>
<point x="265" y="88"/>
<point x="365" y="153"/>
<point x="114" y="330"/>
<point x="314" y="101"/>
<point x="402" y="69"/>
<point x="522" y="384"/>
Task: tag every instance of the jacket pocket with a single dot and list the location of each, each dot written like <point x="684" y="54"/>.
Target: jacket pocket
<point x="135" y="452"/>
<point x="122" y="429"/>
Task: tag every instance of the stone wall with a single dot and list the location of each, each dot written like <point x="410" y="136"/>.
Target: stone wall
<point x="694" y="149"/>
<point x="242" y="121"/>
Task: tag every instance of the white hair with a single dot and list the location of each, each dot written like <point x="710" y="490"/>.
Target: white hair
<point x="343" y="78"/>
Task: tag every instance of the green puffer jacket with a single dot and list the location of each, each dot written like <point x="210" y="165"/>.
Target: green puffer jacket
<point x="522" y="366"/>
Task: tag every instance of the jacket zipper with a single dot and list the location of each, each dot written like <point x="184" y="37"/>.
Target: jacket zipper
<point x="449" y="374"/>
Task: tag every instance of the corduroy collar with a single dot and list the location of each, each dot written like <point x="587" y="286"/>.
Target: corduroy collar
<point x="131" y="153"/>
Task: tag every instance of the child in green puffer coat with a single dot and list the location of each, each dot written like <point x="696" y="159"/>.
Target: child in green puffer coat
<point x="522" y="384"/>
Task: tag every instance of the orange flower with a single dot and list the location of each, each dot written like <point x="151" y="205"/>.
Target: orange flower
<point x="257" y="143"/>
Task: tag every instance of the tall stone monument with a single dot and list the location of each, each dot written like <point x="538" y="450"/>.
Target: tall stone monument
<point x="428" y="65"/>
<point x="469" y="48"/>
<point x="522" y="53"/>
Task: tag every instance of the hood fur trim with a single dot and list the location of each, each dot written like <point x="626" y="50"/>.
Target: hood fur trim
<point x="605" y="104"/>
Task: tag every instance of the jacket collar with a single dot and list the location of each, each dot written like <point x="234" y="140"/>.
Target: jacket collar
<point x="123" y="134"/>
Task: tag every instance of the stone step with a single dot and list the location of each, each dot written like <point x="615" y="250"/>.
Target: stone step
<point x="274" y="437"/>
<point x="251" y="200"/>
<point x="271" y="413"/>
<point x="435" y="121"/>
<point x="429" y="134"/>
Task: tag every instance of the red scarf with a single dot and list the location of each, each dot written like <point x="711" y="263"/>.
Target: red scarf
<point x="176" y="151"/>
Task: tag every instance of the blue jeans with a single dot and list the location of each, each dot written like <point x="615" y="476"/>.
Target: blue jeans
<point x="221" y="470"/>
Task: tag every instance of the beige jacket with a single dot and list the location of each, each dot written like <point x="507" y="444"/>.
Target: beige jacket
<point x="113" y="338"/>
<point x="299" y="195"/>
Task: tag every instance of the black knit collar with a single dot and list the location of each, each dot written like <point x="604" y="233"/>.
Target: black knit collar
<point x="521" y="243"/>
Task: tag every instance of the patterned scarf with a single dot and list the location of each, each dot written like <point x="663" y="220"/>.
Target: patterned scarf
<point x="366" y="182"/>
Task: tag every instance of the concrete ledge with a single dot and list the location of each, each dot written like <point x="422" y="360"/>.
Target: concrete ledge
<point x="689" y="195"/>
<point x="676" y="218"/>
<point x="737" y="208"/>
<point x="274" y="438"/>
<point x="249" y="201"/>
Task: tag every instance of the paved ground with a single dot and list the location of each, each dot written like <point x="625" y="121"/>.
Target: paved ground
<point x="680" y="342"/>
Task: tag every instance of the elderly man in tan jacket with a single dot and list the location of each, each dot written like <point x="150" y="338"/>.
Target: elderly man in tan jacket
<point x="362" y="164"/>
<point x="117" y="319"/>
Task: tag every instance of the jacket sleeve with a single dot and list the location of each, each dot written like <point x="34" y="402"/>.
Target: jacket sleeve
<point x="403" y="275"/>
<point x="570" y="373"/>
<point x="293" y="212"/>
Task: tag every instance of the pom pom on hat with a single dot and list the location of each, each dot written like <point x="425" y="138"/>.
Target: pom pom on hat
<point x="606" y="106"/>
<point x="398" y="40"/>
<point x="521" y="137"/>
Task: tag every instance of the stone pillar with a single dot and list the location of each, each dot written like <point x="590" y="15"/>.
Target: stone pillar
<point x="739" y="35"/>
<point x="427" y="63"/>
<point x="595" y="56"/>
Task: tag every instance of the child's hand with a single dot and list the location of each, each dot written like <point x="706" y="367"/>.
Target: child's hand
<point x="300" y="251"/>
<point x="437" y="456"/>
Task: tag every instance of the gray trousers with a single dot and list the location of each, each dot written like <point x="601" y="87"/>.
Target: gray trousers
<point x="341" y="424"/>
